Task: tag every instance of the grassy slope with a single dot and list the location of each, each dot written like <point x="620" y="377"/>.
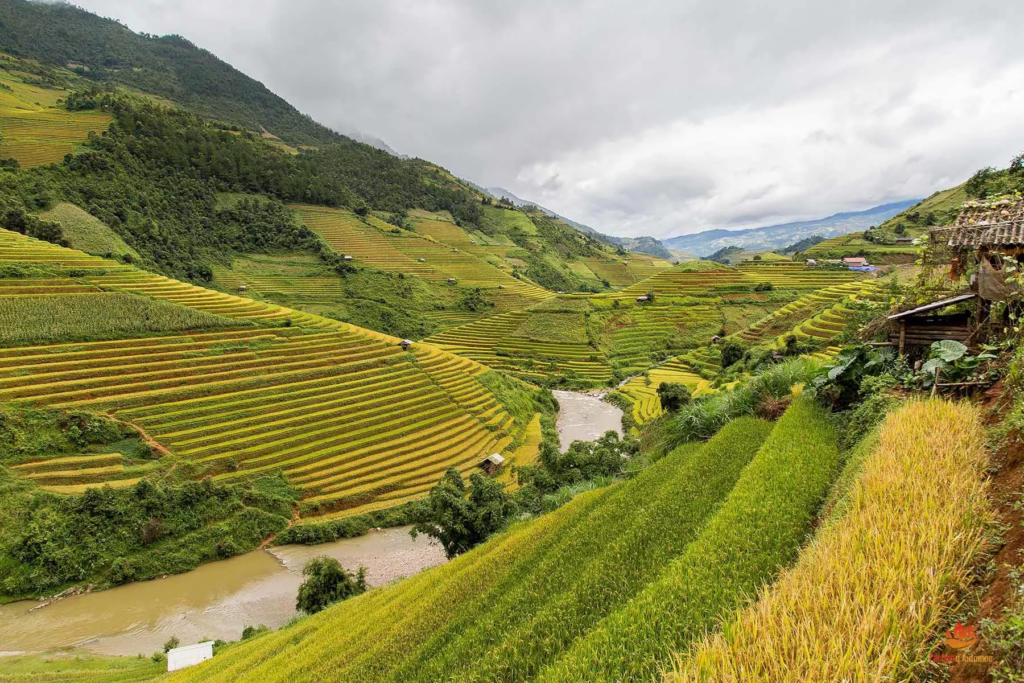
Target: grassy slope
<point x="86" y="232"/>
<point x="61" y="666"/>
<point x="755" y="534"/>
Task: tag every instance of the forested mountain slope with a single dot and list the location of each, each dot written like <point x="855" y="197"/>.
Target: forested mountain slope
<point x="102" y="50"/>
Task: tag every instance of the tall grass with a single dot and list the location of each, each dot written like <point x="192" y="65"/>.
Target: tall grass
<point x="754" y="535"/>
<point x="866" y="598"/>
<point x="701" y="419"/>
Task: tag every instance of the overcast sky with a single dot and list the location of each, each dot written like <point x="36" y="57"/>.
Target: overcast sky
<point x="657" y="117"/>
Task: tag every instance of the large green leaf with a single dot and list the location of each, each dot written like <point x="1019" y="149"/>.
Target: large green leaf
<point x="949" y="350"/>
<point x="933" y="365"/>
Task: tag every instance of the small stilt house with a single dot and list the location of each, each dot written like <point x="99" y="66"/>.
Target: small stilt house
<point x="492" y="464"/>
<point x="925" y="325"/>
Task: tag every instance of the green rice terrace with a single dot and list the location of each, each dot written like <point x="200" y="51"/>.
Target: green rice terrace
<point x="351" y="418"/>
<point x="354" y="420"/>
<point x="314" y="410"/>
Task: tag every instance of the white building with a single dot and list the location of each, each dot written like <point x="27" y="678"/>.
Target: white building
<point x="190" y="655"/>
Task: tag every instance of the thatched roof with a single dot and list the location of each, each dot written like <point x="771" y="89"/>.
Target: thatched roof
<point x="994" y="224"/>
<point x="933" y="306"/>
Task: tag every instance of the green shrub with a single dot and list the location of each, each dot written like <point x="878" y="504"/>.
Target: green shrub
<point x="327" y="582"/>
<point x="673" y="396"/>
<point x="460" y="521"/>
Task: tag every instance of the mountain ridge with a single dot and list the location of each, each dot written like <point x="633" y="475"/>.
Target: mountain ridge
<point x="641" y="245"/>
<point x="780" y="235"/>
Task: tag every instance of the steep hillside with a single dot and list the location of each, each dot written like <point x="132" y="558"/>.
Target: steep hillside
<point x="639" y="245"/>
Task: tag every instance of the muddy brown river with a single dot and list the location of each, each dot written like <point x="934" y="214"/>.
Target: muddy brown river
<point x="214" y="601"/>
<point x="585" y="417"/>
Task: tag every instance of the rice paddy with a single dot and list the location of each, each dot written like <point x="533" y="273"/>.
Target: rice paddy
<point x="352" y="419"/>
<point x="717" y="280"/>
<point x="376" y="244"/>
<point x="35" y="130"/>
<point x="869" y="594"/>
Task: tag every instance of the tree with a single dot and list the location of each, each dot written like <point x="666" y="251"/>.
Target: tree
<point x="650" y="296"/>
<point x="673" y="396"/>
<point x="900" y="229"/>
<point x="976" y="184"/>
<point x="171" y="644"/>
<point x="327" y="582"/>
<point x="1017" y="163"/>
<point x="732" y="352"/>
<point x="461" y="522"/>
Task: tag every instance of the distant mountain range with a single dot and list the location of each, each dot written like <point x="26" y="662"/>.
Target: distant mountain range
<point x="777" y="236"/>
<point x="640" y="245"/>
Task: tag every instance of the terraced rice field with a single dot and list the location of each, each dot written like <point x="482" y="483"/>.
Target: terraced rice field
<point x="375" y="244"/>
<point x="645" y="330"/>
<point x="351" y="418"/>
<point x="614" y="271"/>
<point x="17" y="248"/>
<point x="313" y="288"/>
<point x="349" y="235"/>
<point x="77" y="473"/>
<point x="46" y="287"/>
<point x="685" y="282"/>
<point x="536" y="602"/>
<point x="643" y="267"/>
<point x="805" y="307"/>
<point x="852" y="244"/>
<point x="789" y="275"/>
<point x="643" y="391"/>
<point x="492" y="341"/>
<point x="42" y="136"/>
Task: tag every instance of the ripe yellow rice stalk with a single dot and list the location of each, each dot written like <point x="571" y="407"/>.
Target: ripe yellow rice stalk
<point x="866" y="597"/>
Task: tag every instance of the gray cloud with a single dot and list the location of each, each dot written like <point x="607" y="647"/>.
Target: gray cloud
<point x="651" y="117"/>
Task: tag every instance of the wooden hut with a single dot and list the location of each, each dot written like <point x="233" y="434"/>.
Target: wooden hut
<point x="924" y="325"/>
<point x="242" y="288"/>
<point x="406" y="344"/>
<point x="985" y="232"/>
<point x="492" y="464"/>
